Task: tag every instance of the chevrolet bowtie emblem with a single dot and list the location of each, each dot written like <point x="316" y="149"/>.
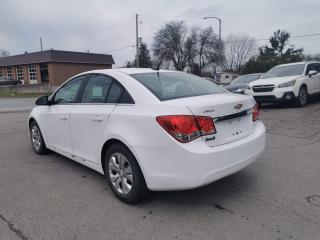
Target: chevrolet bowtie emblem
<point x="238" y="106"/>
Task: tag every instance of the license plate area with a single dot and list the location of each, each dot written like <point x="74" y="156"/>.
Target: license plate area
<point x="230" y="130"/>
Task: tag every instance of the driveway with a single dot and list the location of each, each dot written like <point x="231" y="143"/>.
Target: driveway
<point x="51" y="197"/>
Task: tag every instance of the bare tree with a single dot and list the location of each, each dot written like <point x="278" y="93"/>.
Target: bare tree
<point x="4" y="53"/>
<point x="205" y="52"/>
<point x="171" y="43"/>
<point x="238" y="50"/>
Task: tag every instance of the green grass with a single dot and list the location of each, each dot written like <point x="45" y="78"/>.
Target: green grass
<point x="21" y="95"/>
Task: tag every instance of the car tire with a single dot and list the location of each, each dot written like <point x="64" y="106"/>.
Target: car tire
<point x="302" y="98"/>
<point x="124" y="175"/>
<point x="37" y="141"/>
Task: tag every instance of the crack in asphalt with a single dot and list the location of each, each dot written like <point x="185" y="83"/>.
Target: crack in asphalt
<point x="285" y="208"/>
<point x="17" y="231"/>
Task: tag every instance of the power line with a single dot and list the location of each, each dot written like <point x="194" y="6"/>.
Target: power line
<point x="267" y="39"/>
<point x="119" y="49"/>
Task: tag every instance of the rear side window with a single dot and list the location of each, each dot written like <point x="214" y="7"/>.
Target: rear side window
<point x="115" y="93"/>
<point x="126" y="98"/>
<point x="172" y="85"/>
<point x="96" y="89"/>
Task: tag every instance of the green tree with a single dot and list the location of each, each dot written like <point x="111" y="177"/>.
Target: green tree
<point x="279" y="52"/>
<point x="145" y="60"/>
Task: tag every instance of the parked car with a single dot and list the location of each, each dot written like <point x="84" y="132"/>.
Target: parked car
<point x="9" y="81"/>
<point x="212" y="80"/>
<point x="239" y="84"/>
<point x="293" y="82"/>
<point x="149" y="130"/>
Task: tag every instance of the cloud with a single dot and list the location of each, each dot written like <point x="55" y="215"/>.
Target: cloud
<point x="104" y="25"/>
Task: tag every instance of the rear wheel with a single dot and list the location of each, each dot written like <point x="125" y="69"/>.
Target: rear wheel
<point x="124" y="174"/>
<point x="302" y="97"/>
<point x="36" y="139"/>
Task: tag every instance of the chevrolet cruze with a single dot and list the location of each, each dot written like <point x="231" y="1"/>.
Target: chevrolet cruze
<point x="149" y="130"/>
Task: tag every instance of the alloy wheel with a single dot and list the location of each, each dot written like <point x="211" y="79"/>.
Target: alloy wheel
<point x="36" y="137"/>
<point x="303" y="97"/>
<point x="120" y="173"/>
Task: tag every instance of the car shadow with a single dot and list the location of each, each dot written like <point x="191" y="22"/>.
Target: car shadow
<point x="311" y="101"/>
<point x="214" y="194"/>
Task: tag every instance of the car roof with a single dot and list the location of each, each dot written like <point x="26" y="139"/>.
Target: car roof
<point x="127" y="71"/>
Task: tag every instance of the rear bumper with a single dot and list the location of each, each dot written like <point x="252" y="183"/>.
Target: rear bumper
<point x="184" y="167"/>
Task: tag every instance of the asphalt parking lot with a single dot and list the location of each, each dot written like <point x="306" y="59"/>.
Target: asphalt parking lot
<point x="51" y="197"/>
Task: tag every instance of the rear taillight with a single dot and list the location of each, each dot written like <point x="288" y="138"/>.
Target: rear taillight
<point x="255" y="112"/>
<point x="186" y="128"/>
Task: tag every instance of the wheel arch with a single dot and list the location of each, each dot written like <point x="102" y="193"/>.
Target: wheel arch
<point x="105" y="148"/>
<point x="31" y="119"/>
<point x="304" y="85"/>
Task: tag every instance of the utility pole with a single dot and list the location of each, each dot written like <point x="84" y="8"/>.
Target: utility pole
<point x="41" y="43"/>
<point x="137" y="39"/>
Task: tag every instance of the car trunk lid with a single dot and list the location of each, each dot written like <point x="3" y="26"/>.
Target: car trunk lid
<point x="231" y="114"/>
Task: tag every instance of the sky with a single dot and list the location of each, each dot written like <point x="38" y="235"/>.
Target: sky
<point x="103" y="26"/>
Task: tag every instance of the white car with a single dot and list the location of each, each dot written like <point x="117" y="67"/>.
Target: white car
<point x="149" y="130"/>
<point x="292" y="82"/>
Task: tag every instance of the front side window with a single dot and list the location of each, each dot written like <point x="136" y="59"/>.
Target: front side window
<point x="9" y="72"/>
<point x="317" y="67"/>
<point x="313" y="67"/>
<point x="172" y="85"/>
<point x="32" y="72"/>
<point x="96" y="90"/>
<point x="20" y="73"/>
<point x="68" y="93"/>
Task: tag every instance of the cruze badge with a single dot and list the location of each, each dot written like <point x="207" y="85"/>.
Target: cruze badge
<point x="208" y="111"/>
<point x="238" y="106"/>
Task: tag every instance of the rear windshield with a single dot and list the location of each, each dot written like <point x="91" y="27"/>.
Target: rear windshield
<point x="172" y="85"/>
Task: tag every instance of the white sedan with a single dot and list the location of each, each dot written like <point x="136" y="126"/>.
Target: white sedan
<point x="149" y="130"/>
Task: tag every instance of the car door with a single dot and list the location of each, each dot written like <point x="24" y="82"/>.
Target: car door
<point x="311" y="81"/>
<point x="57" y="119"/>
<point x="90" y="115"/>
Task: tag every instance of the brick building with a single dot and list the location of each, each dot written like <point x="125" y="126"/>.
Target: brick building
<point x="51" y="66"/>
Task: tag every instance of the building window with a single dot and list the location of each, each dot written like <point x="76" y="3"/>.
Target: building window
<point x="20" y="73"/>
<point x="9" y="72"/>
<point x="32" y="73"/>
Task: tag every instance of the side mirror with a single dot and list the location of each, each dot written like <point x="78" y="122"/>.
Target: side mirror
<point x="312" y="72"/>
<point x="42" y="101"/>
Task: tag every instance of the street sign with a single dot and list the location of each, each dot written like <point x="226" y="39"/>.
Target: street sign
<point x="218" y="69"/>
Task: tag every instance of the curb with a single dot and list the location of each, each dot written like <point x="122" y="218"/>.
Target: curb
<point x="15" y="110"/>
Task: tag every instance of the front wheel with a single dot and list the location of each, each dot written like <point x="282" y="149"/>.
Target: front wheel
<point x="302" y="97"/>
<point x="37" y="141"/>
<point x="124" y="174"/>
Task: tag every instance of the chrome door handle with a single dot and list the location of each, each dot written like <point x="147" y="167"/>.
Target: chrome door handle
<point x="63" y="117"/>
<point x="97" y="118"/>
